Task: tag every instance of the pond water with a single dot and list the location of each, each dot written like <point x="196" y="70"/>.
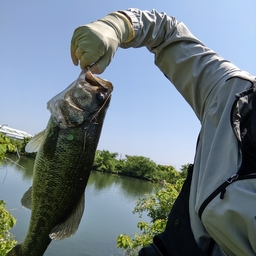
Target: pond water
<point x="109" y="201"/>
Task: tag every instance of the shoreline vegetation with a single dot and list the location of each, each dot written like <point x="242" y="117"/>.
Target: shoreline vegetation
<point x="139" y="167"/>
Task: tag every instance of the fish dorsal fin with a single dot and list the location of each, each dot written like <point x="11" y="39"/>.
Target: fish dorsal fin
<point x="27" y="198"/>
<point x="70" y="225"/>
<point x="34" y="144"/>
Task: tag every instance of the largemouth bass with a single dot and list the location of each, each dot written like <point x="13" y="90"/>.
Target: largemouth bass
<point x="63" y="163"/>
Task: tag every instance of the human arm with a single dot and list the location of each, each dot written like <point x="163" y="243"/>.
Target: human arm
<point x="194" y="69"/>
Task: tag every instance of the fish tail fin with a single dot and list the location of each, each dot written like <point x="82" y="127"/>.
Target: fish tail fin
<point x="15" y="251"/>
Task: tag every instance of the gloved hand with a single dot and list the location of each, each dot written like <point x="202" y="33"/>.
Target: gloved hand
<point x="97" y="42"/>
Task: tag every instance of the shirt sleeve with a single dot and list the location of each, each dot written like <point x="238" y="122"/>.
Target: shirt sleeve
<point x="194" y="69"/>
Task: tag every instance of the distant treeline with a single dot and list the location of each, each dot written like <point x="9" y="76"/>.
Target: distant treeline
<point x="134" y="166"/>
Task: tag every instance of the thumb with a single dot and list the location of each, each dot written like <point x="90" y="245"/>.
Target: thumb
<point x="102" y="63"/>
<point x="73" y="54"/>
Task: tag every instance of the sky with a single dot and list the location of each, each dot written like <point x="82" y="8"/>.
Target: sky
<point x="147" y="116"/>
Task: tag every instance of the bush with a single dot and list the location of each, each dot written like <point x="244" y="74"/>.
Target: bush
<point x="5" y="146"/>
<point x="7" y="221"/>
<point x="158" y="207"/>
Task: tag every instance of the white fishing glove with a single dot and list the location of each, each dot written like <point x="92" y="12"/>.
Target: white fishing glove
<point x="95" y="44"/>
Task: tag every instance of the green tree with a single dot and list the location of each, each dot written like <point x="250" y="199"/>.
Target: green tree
<point x="120" y="165"/>
<point x="157" y="207"/>
<point x="105" y="161"/>
<point x="139" y="166"/>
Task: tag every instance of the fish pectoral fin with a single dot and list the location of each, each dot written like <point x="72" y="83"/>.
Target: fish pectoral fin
<point x="51" y="140"/>
<point x="34" y="144"/>
<point x="70" y="225"/>
<point x="26" y="200"/>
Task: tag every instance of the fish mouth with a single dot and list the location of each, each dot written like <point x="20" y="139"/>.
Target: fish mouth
<point x="94" y="82"/>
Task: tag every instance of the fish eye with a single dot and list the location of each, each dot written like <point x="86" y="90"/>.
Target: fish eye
<point x="100" y="96"/>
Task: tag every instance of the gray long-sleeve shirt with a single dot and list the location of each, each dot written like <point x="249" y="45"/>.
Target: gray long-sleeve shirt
<point x="209" y="84"/>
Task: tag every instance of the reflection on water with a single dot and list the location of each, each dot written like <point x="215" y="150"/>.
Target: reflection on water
<point x="27" y="167"/>
<point x="110" y="200"/>
<point x="24" y="165"/>
<point x="130" y="186"/>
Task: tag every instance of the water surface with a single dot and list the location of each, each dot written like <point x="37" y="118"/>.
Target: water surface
<point x="109" y="201"/>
